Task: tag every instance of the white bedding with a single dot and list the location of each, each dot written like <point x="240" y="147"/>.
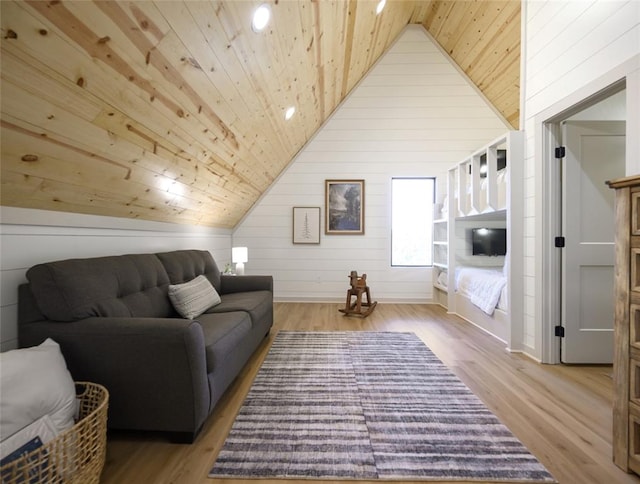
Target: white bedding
<point x="485" y="288"/>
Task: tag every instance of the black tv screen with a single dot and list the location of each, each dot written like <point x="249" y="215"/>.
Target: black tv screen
<point x="489" y="241"/>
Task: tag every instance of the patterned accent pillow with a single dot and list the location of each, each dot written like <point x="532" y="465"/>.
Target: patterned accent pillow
<point x="193" y="298"/>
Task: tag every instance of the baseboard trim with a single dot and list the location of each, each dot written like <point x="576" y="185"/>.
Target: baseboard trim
<point x="341" y="300"/>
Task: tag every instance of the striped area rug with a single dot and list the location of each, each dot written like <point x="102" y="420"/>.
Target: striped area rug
<point x="367" y="405"/>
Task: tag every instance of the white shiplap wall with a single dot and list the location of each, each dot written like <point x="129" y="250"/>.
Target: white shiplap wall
<point x="29" y="237"/>
<point x="414" y="114"/>
<point x="568" y="49"/>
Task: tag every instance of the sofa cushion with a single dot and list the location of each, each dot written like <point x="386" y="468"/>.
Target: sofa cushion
<point x="185" y="265"/>
<point x="193" y="298"/>
<point x="257" y="303"/>
<point x="119" y="286"/>
<point x="222" y="335"/>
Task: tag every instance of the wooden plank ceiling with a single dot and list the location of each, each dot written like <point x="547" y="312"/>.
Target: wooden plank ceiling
<point x="174" y="110"/>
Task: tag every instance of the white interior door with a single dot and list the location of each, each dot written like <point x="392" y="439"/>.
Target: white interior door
<point x="595" y="153"/>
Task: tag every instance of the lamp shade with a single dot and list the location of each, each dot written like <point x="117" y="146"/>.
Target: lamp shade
<point x="239" y="254"/>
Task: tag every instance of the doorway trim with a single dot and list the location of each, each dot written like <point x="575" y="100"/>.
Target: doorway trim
<point x="548" y="185"/>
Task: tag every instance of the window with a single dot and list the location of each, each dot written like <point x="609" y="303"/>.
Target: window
<point x="412" y="202"/>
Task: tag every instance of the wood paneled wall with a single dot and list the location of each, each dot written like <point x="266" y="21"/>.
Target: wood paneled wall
<point x="30" y="237"/>
<point x="573" y="49"/>
<point x="483" y="39"/>
<point x="413" y="115"/>
<point x="172" y="111"/>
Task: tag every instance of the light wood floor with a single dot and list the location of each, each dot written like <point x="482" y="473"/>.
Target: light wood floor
<point x="561" y="413"/>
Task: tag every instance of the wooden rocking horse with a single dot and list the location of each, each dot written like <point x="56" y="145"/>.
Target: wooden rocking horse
<point x="358" y="288"/>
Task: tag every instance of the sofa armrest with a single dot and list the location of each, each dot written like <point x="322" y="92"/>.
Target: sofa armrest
<point x="231" y="284"/>
<point x="154" y="368"/>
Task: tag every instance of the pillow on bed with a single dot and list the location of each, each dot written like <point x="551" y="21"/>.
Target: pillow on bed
<point x="443" y="279"/>
<point x="35" y="382"/>
<point x="502" y="174"/>
<point x="505" y="268"/>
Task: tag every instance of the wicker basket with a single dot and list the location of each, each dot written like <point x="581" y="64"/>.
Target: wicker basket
<point x="77" y="455"/>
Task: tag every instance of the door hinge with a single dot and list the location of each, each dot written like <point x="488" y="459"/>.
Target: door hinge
<point x="559" y="242"/>
<point x="560" y="152"/>
<point x="559" y="331"/>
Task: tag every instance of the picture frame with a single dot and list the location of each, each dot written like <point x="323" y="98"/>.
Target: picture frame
<point x="344" y="207"/>
<point x="306" y="225"/>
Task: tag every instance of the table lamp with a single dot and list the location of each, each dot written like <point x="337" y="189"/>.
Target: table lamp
<point x="239" y="255"/>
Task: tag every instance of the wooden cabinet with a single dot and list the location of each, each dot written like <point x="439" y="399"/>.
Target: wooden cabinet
<point x="626" y="364"/>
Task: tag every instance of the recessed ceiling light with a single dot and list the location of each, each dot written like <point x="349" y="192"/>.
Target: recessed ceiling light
<point x="289" y="113"/>
<point x="261" y="17"/>
<point x="380" y="6"/>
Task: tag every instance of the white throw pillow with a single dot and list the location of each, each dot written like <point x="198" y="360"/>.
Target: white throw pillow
<point x="193" y="298"/>
<point x="35" y="382"/>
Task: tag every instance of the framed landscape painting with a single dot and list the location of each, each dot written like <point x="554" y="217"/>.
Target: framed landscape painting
<point x="344" y="207"/>
<point x="306" y="225"/>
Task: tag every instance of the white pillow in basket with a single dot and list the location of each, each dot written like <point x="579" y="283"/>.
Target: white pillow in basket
<point x="35" y="382"/>
<point x="193" y="298"/>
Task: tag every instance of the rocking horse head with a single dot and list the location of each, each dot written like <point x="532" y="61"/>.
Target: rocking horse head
<point x="356" y="281"/>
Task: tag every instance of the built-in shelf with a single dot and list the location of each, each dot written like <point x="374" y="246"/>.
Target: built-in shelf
<point x="493" y="216"/>
<point x="440" y="258"/>
<point x="440" y="287"/>
<point x="483" y="188"/>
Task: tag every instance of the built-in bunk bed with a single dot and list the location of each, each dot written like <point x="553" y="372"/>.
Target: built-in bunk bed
<point x="478" y="239"/>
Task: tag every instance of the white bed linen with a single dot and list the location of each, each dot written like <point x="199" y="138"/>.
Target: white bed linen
<point x="503" y="302"/>
<point x="483" y="287"/>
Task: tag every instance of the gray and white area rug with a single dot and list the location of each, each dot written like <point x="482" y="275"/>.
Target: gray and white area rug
<point x="367" y="405"/>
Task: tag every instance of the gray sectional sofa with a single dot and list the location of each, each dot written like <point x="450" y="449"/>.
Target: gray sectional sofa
<point x="117" y="326"/>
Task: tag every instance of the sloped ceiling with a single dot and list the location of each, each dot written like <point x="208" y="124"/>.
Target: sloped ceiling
<point x="174" y="110"/>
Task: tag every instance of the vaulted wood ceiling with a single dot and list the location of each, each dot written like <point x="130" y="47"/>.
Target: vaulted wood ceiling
<point x="174" y="110"/>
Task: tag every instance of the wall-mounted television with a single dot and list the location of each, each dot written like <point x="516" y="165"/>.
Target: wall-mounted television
<point x="485" y="241"/>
